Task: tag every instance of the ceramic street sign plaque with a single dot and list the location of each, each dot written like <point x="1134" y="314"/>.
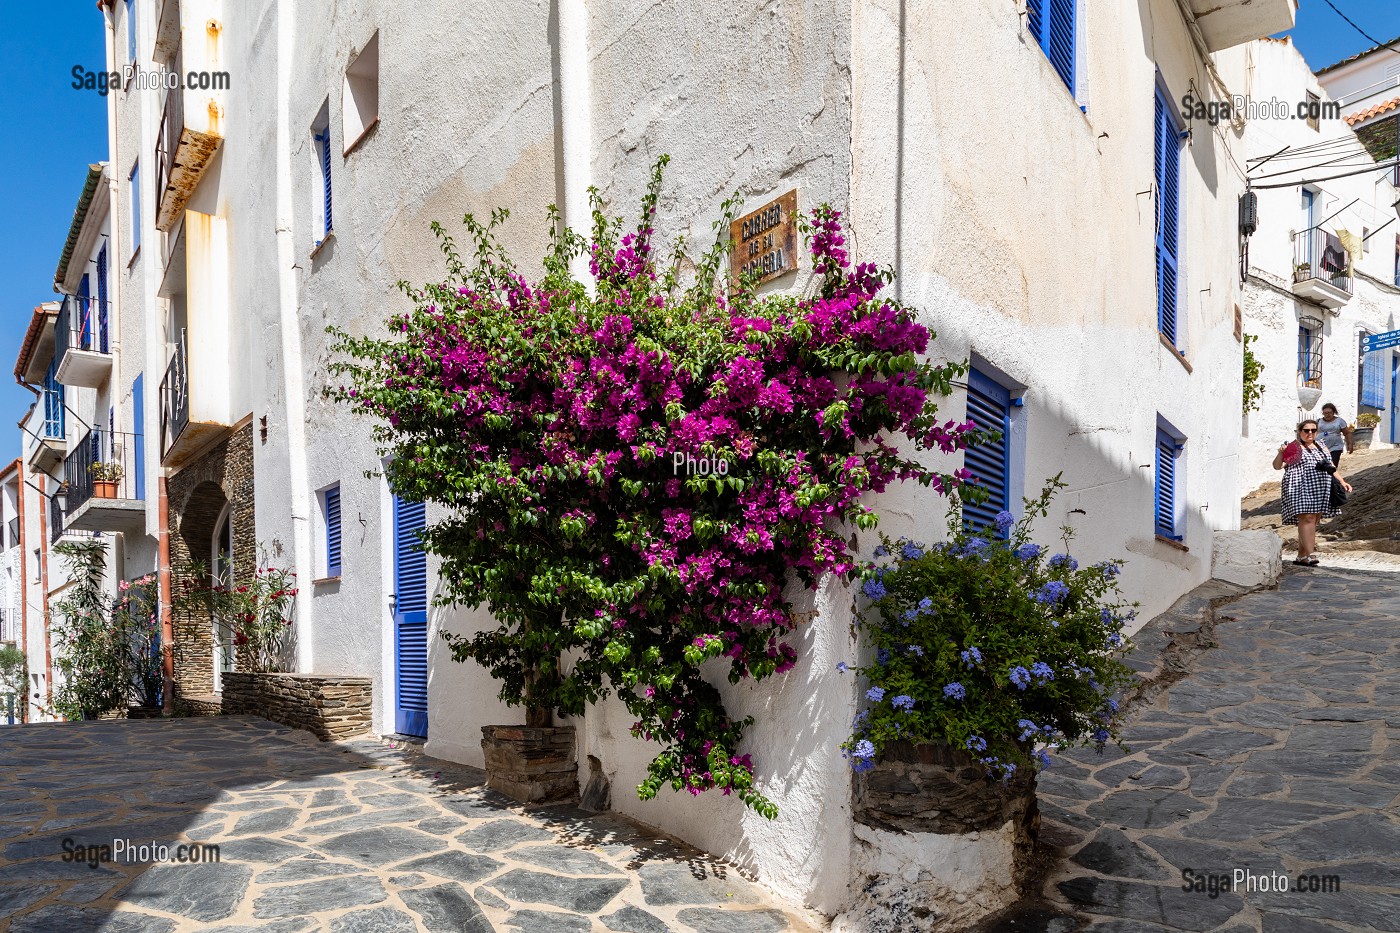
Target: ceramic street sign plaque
<point x="765" y="241"/>
<point x="1380" y="341"/>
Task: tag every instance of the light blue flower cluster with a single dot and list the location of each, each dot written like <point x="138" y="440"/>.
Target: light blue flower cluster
<point x="1004" y="521"/>
<point x="1029" y="551"/>
<point x="903" y="702"/>
<point x="971" y="657"/>
<point x="1043" y="672"/>
<point x="977" y="744"/>
<point x="862" y="756"/>
<point x="955" y="691"/>
<point x="874" y="588"/>
<point x="916" y="650"/>
<point x="1064" y="560"/>
<point x="875" y="694"/>
<point x="911" y="550"/>
<point x="1020" y="677"/>
<point x="1051" y="593"/>
<point x="1109" y="569"/>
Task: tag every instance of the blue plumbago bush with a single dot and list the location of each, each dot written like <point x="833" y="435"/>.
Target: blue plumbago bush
<point x="990" y="643"/>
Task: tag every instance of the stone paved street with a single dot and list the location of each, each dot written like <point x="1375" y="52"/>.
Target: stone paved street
<point x="1280" y="752"/>
<point x="352" y="838"/>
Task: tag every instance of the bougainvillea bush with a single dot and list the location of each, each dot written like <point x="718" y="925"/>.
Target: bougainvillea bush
<point x="630" y="473"/>
<point x="991" y="643"/>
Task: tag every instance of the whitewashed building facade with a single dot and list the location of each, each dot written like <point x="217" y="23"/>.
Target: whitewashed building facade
<point x="1024" y="165"/>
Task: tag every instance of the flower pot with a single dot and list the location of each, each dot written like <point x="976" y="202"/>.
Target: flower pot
<point x="143" y="712"/>
<point x="104" y="489"/>
<point x="532" y="764"/>
<point x="1361" y="437"/>
<point x="1302" y="274"/>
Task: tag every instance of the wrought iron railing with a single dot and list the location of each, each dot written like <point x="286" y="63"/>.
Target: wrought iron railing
<point x="103" y="465"/>
<point x="55" y="516"/>
<point x="172" y="124"/>
<point x="82" y="325"/>
<point x="1318" y="254"/>
<point x="174" y="397"/>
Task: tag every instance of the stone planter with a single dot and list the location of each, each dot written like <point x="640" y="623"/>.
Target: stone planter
<point x="938" y="846"/>
<point x="1361" y="437"/>
<point x="143" y="712"/>
<point x="328" y="706"/>
<point x="531" y="764"/>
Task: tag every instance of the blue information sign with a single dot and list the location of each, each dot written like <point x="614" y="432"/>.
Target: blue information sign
<point x="1380" y="341"/>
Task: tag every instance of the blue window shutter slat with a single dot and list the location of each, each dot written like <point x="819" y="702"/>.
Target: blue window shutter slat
<point x="1372" y="381"/>
<point x="1167" y="169"/>
<point x="333" y="532"/>
<point x="411" y="563"/>
<point x="1059" y="39"/>
<point x="1035" y="13"/>
<point x="988" y="407"/>
<point x="1164" y="504"/>
<point x="138" y="420"/>
<point x="325" y="142"/>
<point x="411" y="619"/>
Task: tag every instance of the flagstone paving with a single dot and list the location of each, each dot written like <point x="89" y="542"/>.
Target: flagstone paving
<point x="1279" y="752"/>
<point x="349" y="838"/>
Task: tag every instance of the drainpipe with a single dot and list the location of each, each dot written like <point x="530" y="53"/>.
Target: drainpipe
<point x="293" y="383"/>
<point x="576" y="125"/>
<point x="44" y="591"/>
<point x="167" y="623"/>
<point x="23" y="593"/>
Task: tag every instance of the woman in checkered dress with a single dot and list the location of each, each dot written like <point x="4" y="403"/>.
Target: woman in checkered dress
<point x="1307" y="491"/>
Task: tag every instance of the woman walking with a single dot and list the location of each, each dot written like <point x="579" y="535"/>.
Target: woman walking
<point x="1334" y="433"/>
<point x="1307" y="490"/>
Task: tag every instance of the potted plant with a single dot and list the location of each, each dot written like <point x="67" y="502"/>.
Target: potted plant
<point x="1365" y="430"/>
<point x="1302" y="271"/>
<point x="105" y="477"/>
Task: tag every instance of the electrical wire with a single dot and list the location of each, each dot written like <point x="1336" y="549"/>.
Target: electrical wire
<point x="1374" y="41"/>
<point x="1378" y="167"/>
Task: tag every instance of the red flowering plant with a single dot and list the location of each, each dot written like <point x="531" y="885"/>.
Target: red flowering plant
<point x="630" y="474"/>
<point x="253" y="610"/>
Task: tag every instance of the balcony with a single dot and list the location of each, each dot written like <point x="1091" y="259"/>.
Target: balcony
<point x="1321" y="269"/>
<point x="1228" y="23"/>
<point x="81" y="349"/>
<point x="105" y="484"/>
<point x="51" y="442"/>
<point x="180" y="437"/>
<point x="182" y="155"/>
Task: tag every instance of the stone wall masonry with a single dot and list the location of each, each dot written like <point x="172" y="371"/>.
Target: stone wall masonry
<point x="531" y="764"/>
<point x="329" y="707"/>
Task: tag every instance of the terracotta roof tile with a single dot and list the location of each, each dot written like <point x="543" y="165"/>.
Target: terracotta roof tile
<point x="1359" y="55"/>
<point x="1362" y="116"/>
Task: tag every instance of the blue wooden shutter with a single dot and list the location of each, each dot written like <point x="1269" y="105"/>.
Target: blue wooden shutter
<point x="84" y="341"/>
<point x="323" y="140"/>
<point x="988" y="407"/>
<point x="135" y="179"/>
<point x="1373" y="380"/>
<point x="333" y="532"/>
<point x="102" y="299"/>
<point x="1052" y="25"/>
<point x="411" y="622"/>
<point x="138" y="422"/>
<point x="1164" y="498"/>
<point x="53" y="402"/>
<point x="1167" y="162"/>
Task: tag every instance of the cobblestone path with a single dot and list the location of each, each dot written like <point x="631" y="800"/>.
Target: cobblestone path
<point x="1279" y="753"/>
<point x="355" y="838"/>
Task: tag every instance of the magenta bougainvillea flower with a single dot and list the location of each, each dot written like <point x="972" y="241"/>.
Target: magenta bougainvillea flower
<point x="631" y="472"/>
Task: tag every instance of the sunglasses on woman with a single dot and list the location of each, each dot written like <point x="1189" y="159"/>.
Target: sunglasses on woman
<point x="1308" y="431"/>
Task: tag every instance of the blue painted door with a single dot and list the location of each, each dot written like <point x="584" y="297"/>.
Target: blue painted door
<point x="410" y="620"/>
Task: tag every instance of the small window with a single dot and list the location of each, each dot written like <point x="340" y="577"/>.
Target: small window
<point x="1314" y="111"/>
<point x="321" y="148"/>
<point x="1310" y="355"/>
<point x="359" y="98"/>
<point x="1365" y="241"/>
<point x="134" y="194"/>
<point x="1053" y="26"/>
<point x="1164" y="494"/>
<point x="330" y="501"/>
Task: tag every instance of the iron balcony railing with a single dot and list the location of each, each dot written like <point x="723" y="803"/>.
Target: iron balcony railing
<point x="172" y="125"/>
<point x="104" y="465"/>
<point x="82" y="325"/>
<point x="174" y="398"/>
<point x="1318" y="254"/>
<point x="55" y="516"/>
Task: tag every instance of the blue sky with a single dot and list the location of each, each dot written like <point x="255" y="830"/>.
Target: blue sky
<point x="52" y="132"/>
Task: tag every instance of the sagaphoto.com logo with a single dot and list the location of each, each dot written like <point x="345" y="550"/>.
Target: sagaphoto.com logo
<point x="1216" y="112"/>
<point x="147" y="79"/>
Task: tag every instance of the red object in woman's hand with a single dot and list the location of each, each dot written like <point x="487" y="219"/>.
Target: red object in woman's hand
<point x="1291" y="453"/>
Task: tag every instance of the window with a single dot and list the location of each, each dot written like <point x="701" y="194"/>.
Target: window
<point x="359" y="99"/>
<point x="1169" y="450"/>
<point x="989" y="407"/>
<point x="1167" y="162"/>
<point x="1310" y="353"/>
<point x="1314" y="111"/>
<point x="103" y="345"/>
<point x="53" y="403"/>
<point x="1052" y="25"/>
<point x="131" y="31"/>
<point x="321" y="147"/>
<point x="134" y="193"/>
<point x="330" y="501"/>
<point x="1365" y="241"/>
<point x="1373" y="377"/>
